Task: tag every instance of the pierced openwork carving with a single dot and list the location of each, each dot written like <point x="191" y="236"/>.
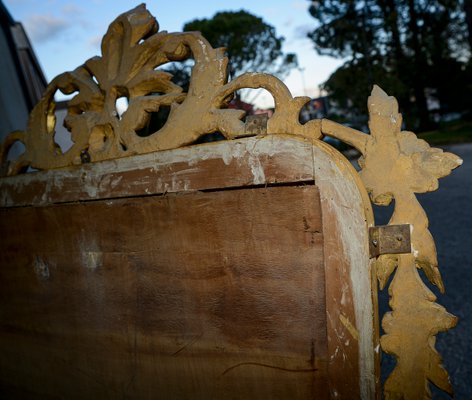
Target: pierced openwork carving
<point x="394" y="164"/>
<point x="132" y="50"/>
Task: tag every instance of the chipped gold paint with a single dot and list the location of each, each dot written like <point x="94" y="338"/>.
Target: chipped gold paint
<point x="132" y="49"/>
<point x="349" y="326"/>
<point x="394" y="164"/>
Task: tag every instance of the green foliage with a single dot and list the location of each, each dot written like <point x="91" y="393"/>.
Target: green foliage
<point x="251" y="44"/>
<point x="449" y="133"/>
<point x="345" y="29"/>
<point x="350" y="85"/>
<point x="416" y="50"/>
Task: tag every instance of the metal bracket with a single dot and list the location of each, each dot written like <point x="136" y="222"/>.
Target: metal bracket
<point x="389" y="239"/>
<point x="256" y="125"/>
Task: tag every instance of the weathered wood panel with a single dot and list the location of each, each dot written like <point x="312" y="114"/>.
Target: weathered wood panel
<point x="244" y="162"/>
<point x="351" y="295"/>
<point x="350" y="365"/>
<point x="203" y="295"/>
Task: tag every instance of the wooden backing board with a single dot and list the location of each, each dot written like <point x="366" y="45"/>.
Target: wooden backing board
<point x="204" y="295"/>
<point x="217" y="165"/>
<point x="217" y="294"/>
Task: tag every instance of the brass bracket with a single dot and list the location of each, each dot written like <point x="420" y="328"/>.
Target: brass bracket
<point x="389" y="239"/>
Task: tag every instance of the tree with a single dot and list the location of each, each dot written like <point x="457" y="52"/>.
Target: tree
<point x="406" y="45"/>
<point x="347" y="28"/>
<point x="350" y="85"/>
<point x="251" y="44"/>
<point x="468" y="18"/>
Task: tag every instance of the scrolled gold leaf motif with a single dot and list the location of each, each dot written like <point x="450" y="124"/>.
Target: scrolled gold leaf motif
<point x="394" y="164"/>
<point x="132" y="51"/>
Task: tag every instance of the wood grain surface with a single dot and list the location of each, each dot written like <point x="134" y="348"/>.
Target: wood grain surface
<point x="231" y="270"/>
<point x="225" y="164"/>
<point x="202" y="295"/>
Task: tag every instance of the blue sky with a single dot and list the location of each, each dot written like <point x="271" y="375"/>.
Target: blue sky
<point x="66" y="33"/>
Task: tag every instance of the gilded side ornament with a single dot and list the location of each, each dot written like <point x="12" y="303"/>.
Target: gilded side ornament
<point x="394" y="164"/>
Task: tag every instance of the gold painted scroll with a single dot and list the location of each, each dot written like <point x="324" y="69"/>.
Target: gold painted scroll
<point x="394" y="164"/>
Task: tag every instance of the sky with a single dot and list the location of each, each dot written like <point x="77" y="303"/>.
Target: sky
<point x="65" y="33"/>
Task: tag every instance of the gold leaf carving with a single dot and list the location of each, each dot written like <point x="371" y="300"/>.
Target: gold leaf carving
<point x="132" y="51"/>
<point x="410" y="335"/>
<point x="384" y="267"/>
<point x="396" y="165"/>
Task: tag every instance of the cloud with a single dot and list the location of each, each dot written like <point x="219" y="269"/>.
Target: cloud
<point x="76" y="16"/>
<point x="300" y="5"/>
<point x="43" y="28"/>
<point x="288" y="22"/>
<point x="301" y="31"/>
<point x="72" y="9"/>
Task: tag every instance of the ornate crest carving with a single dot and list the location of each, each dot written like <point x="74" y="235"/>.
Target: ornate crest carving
<point x="394" y="164"/>
<point x="132" y="50"/>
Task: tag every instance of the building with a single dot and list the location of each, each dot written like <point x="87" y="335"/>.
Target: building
<point x="22" y="81"/>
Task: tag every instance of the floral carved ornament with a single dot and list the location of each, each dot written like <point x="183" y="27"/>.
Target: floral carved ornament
<point x="394" y="164"/>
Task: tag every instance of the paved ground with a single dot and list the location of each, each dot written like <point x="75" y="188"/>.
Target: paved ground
<point x="450" y="214"/>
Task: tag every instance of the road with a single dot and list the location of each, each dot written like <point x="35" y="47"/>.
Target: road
<point x="450" y="214"/>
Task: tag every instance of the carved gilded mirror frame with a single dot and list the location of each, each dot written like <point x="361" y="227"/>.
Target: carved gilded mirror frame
<point x="394" y="164"/>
